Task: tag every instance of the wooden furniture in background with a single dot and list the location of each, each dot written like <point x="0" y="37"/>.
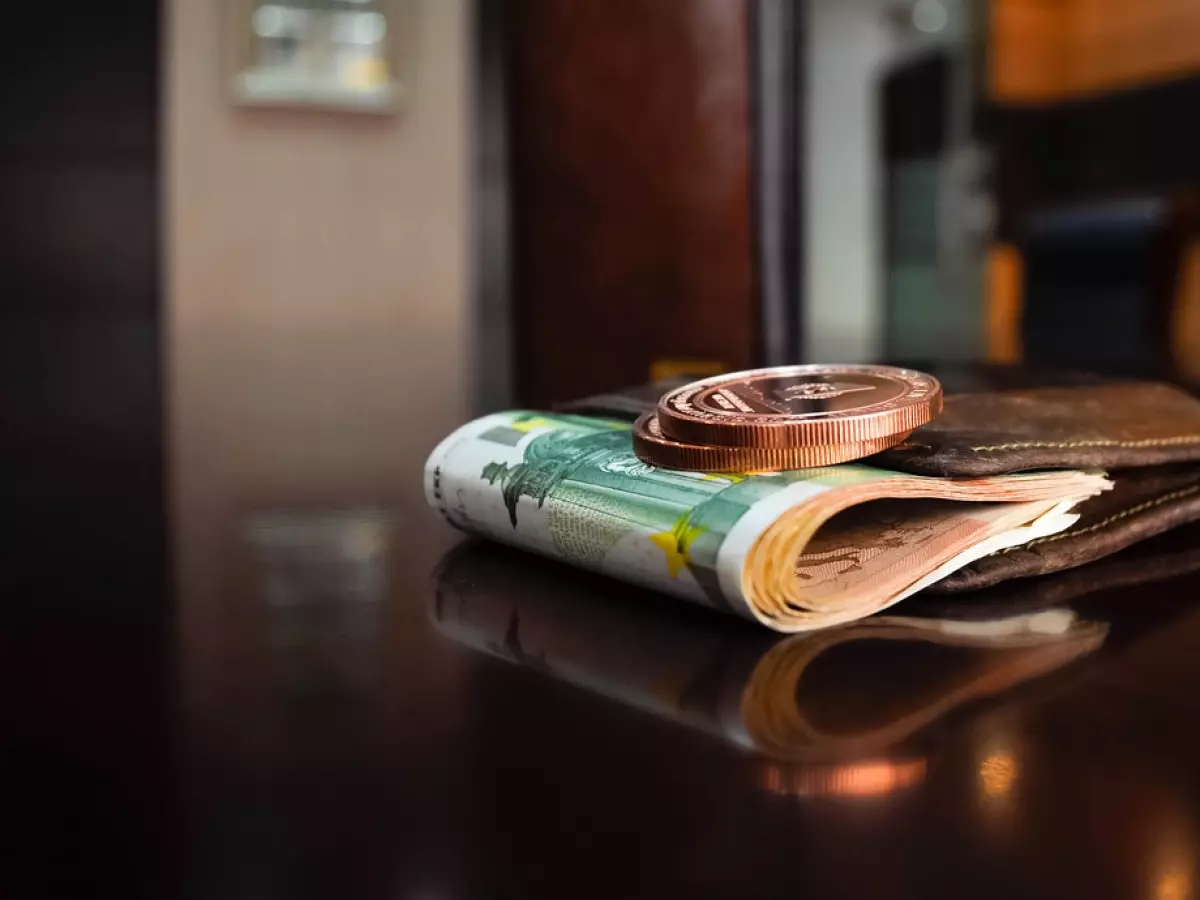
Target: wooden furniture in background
<point x="631" y="192"/>
<point x="1050" y="50"/>
<point x="1002" y="312"/>
<point x="1185" y="320"/>
<point x="1086" y="102"/>
<point x="1099" y="285"/>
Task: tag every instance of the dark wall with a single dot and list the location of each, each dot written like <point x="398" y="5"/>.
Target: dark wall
<point x="83" y="569"/>
<point x="79" y="276"/>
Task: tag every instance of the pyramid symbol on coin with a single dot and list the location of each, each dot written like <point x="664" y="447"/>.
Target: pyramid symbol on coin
<point x="820" y="390"/>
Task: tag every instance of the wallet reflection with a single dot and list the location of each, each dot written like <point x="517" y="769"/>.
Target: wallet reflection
<point x="840" y="694"/>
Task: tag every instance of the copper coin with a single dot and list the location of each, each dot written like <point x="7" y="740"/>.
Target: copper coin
<point x="801" y="406"/>
<point x="654" y="447"/>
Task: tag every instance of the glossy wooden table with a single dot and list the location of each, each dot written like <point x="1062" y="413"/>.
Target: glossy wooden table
<point x="263" y="695"/>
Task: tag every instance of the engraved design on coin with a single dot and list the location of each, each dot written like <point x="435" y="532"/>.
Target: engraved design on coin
<point x="820" y="390"/>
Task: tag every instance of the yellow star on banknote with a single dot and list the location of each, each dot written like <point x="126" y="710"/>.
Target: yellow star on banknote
<point x="528" y="425"/>
<point x="731" y="477"/>
<point x="676" y="545"/>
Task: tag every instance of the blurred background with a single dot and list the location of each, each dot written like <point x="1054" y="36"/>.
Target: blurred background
<point x="350" y="224"/>
<point x="260" y="256"/>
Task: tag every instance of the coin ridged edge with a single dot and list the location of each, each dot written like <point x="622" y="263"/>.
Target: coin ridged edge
<point x="789" y="435"/>
<point x="846" y="428"/>
<point x="659" y="450"/>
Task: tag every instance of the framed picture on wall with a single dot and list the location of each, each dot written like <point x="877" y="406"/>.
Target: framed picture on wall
<point x="346" y="55"/>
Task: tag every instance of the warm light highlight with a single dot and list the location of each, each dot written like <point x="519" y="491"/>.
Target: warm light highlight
<point x="998" y="773"/>
<point x="862" y="779"/>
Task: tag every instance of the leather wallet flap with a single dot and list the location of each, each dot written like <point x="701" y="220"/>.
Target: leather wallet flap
<point x="1108" y="426"/>
<point x="1142" y="503"/>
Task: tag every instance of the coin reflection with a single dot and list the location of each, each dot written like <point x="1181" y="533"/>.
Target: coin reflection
<point x="867" y="778"/>
<point x="1173" y="859"/>
<point x="997" y="773"/>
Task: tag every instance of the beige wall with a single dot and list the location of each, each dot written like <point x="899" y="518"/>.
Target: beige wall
<point x="847" y="43"/>
<point x="316" y="271"/>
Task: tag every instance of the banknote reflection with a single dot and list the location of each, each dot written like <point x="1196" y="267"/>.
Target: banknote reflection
<point x="859" y="693"/>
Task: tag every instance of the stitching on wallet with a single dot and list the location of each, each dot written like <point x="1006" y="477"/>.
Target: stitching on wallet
<point x="1149" y="442"/>
<point x="1116" y="517"/>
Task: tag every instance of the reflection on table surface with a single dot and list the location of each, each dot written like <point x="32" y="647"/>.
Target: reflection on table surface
<point x="835" y="694"/>
<point x="364" y="707"/>
<point x="371" y="708"/>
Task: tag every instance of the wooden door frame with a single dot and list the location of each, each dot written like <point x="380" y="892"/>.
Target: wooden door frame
<point x="776" y="38"/>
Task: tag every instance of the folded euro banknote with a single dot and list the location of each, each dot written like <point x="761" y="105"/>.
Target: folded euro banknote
<point x="794" y="550"/>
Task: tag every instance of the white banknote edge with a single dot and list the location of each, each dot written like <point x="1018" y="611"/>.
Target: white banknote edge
<point x="441" y="453"/>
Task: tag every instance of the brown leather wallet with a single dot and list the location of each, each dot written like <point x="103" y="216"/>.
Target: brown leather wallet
<point x="1142" y="503"/>
<point x="1104" y="426"/>
<point x="1145" y="434"/>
